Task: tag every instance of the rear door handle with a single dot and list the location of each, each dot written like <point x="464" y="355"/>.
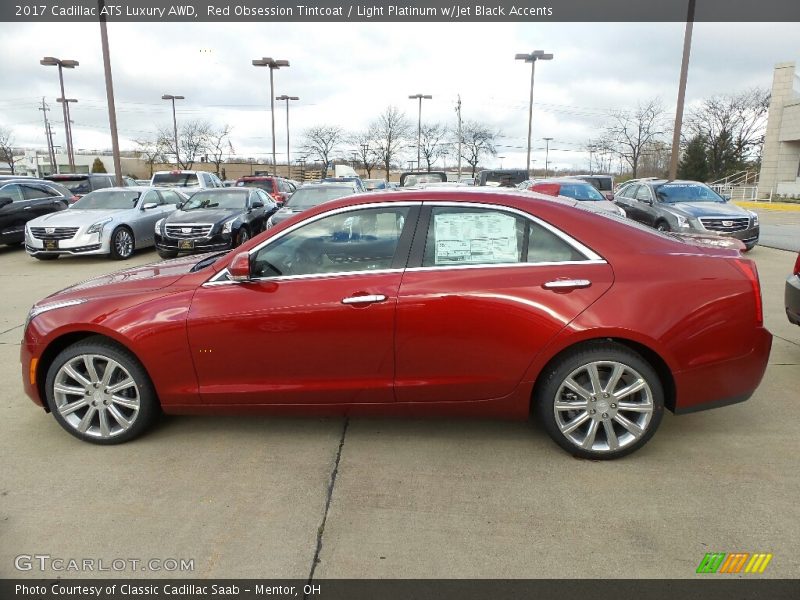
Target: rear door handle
<point x="370" y="299"/>
<point x="566" y="284"/>
<point x="27" y="208"/>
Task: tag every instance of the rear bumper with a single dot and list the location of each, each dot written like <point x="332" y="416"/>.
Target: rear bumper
<point x="722" y="383"/>
<point x="792" y="299"/>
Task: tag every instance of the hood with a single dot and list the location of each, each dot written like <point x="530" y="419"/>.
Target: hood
<point x="75" y="218"/>
<point x="284" y="213"/>
<point x="154" y="276"/>
<point x="706" y="209"/>
<point x="203" y="215"/>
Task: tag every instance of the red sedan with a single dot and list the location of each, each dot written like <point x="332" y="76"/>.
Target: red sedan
<point x="472" y="302"/>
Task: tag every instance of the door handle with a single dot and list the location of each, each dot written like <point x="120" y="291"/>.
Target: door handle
<point x="27" y="208"/>
<point x="566" y="284"/>
<point x="370" y="299"/>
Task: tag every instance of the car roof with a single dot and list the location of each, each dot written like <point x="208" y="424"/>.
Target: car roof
<point x="226" y="190"/>
<point x="561" y="180"/>
<point x="661" y="181"/>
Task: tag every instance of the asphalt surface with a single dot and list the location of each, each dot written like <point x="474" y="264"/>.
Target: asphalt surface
<point x="270" y="497"/>
<point x="779" y="229"/>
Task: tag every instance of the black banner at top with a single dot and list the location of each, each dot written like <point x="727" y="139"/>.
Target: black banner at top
<point x="488" y="11"/>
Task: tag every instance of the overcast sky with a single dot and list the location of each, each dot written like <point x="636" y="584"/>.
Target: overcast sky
<point x="346" y="74"/>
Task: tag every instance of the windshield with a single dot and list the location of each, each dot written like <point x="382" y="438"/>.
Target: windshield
<point x="217" y="199"/>
<point x="686" y="192"/>
<point x="580" y="191"/>
<point x="77" y="186"/>
<point x="306" y="197"/>
<point x="175" y="179"/>
<point x="264" y="184"/>
<point x="107" y="199"/>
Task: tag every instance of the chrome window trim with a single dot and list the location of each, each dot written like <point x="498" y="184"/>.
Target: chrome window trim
<point x="218" y="278"/>
<point x="508" y="265"/>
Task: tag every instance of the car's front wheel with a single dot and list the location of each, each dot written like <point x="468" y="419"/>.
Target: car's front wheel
<point x="600" y="401"/>
<point x="122" y="243"/>
<point x="662" y="226"/>
<point x="166" y="254"/>
<point x="100" y="393"/>
<point x="242" y="236"/>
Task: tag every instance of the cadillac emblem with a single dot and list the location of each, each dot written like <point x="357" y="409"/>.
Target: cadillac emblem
<point x="727" y="223"/>
<point x="186" y="230"/>
<point x="50" y="230"/>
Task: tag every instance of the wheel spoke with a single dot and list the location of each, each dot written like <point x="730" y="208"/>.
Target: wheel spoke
<point x="636" y="386"/>
<point x="68" y="409"/>
<point x="614" y="379"/>
<point x="560" y="405"/>
<point x="588" y="441"/>
<point x="126" y="402"/>
<point x="123" y="422"/>
<point x="111" y="366"/>
<point x="86" y="421"/>
<point x="88" y="362"/>
<point x="575" y="423"/>
<point x="574" y="386"/>
<point x="628" y="424"/>
<point x="105" y="430"/>
<point x="122" y="385"/>
<point x="634" y="407"/>
<point x="73" y="374"/>
<point x="597" y="387"/>
<point x="611" y="435"/>
<point x="60" y="388"/>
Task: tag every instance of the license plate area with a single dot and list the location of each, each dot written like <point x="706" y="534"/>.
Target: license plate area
<point x="185" y="244"/>
<point x="51" y="244"/>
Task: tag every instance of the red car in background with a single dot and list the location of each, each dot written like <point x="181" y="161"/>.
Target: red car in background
<point x="468" y="301"/>
<point x="277" y="187"/>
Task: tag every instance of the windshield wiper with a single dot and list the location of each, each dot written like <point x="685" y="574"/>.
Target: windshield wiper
<point x="207" y="261"/>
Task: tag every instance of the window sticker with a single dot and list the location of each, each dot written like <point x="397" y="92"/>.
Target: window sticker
<point x="475" y="238"/>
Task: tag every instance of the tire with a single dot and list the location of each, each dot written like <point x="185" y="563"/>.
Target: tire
<point x="122" y="243"/>
<point x="167" y="254"/>
<point x="663" y="226"/>
<point x="242" y="236"/>
<point x="567" y="381"/>
<point x="45" y="256"/>
<point x="82" y="401"/>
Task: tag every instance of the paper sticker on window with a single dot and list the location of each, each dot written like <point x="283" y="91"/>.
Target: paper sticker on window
<point x="475" y="238"/>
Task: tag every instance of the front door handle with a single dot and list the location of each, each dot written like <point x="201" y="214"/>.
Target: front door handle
<point x="563" y="285"/>
<point x="370" y="299"/>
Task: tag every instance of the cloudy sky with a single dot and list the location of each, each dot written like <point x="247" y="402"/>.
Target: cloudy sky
<point x="346" y="74"/>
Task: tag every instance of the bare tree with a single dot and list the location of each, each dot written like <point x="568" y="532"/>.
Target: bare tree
<point x="193" y="139"/>
<point x="432" y="142"/>
<point x="633" y="130"/>
<point x="150" y="151"/>
<point x="390" y="130"/>
<point x="477" y="140"/>
<point x="321" y="141"/>
<point x="364" y="144"/>
<point x="7" y="154"/>
<point x="219" y="146"/>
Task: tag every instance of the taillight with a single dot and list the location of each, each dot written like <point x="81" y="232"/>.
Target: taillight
<point x="797" y="265"/>
<point x="748" y="267"/>
<point x="74" y="199"/>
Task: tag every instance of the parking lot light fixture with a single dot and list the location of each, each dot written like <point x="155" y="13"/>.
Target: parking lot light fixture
<point x="52" y="61"/>
<point x="174" y="123"/>
<point x="532" y="57"/>
<point x="288" y="157"/>
<point x="547" y="141"/>
<point x="420" y="97"/>
<point x="272" y="64"/>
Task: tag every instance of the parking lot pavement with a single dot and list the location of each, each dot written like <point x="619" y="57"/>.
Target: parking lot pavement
<point x="780" y="229"/>
<point x="247" y="496"/>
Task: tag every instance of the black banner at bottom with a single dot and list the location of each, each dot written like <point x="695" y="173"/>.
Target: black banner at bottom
<point x="712" y="588"/>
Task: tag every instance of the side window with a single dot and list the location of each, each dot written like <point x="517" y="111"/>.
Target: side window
<point x="32" y="192"/>
<point x="643" y="193"/>
<point x="358" y="240"/>
<point x="12" y="191"/>
<point x="627" y="191"/>
<point x="151" y="196"/>
<point x="482" y="236"/>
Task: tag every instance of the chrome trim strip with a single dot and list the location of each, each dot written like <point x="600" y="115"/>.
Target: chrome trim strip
<point x="218" y="278"/>
<point x="508" y="265"/>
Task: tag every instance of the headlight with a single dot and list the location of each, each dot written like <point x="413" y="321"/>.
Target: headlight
<point x="228" y="225"/>
<point x="43" y="308"/>
<point x="682" y="221"/>
<point x="98" y="227"/>
<point x="622" y="212"/>
<point x="159" y="223"/>
<point x="755" y="218"/>
<point x="270" y="223"/>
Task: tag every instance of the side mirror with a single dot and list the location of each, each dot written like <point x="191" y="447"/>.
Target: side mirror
<point x="239" y="268"/>
<point x="726" y="197"/>
<point x="149" y="205"/>
<point x="609" y="196"/>
<point x="5" y="200"/>
<point x="258" y="204"/>
<point x="179" y="206"/>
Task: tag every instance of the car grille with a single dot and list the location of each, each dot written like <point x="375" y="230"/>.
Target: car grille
<point x="725" y="224"/>
<point x="53" y="233"/>
<point x="188" y="231"/>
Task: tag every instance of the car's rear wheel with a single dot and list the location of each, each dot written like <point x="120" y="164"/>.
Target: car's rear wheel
<point x="100" y="393"/>
<point x="600" y="401"/>
<point x="122" y="243"/>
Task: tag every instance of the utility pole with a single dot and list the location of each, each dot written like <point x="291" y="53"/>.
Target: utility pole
<point x="112" y="111"/>
<point x="547" y="154"/>
<point x="676" y="132"/>
<point x="419" y="97"/>
<point x="50" y="152"/>
<point x="458" y="112"/>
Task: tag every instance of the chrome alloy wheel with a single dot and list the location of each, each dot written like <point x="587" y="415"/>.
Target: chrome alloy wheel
<point x="603" y="406"/>
<point x="96" y="396"/>
<point x="123" y="243"/>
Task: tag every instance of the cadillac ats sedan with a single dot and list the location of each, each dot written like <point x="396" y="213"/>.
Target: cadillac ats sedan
<point x="470" y="301"/>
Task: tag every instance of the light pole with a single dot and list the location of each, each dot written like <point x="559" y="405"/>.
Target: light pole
<point x="174" y="124"/>
<point x="420" y="97"/>
<point x="51" y="61"/>
<point x="676" y="131"/>
<point x="272" y="64"/>
<point x="547" y="141"/>
<point x="532" y="58"/>
<point x="501" y="161"/>
<point x="288" y="158"/>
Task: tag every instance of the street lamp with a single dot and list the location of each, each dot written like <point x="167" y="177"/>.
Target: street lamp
<point x="532" y="58"/>
<point x="420" y="97"/>
<point x="288" y="158"/>
<point x="174" y="124"/>
<point x="51" y="61"/>
<point x="272" y="64"/>
<point x="547" y="141"/>
<point x="501" y="161"/>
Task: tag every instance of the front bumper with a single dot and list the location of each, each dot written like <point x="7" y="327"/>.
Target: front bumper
<point x="792" y="299"/>
<point x="81" y="243"/>
<point x="219" y="241"/>
<point x="748" y="236"/>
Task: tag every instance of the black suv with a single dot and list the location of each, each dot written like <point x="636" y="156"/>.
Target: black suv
<point x="24" y="199"/>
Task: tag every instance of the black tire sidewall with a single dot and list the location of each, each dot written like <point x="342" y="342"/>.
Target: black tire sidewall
<point x="148" y="403"/>
<point x="239" y="241"/>
<point x="555" y="373"/>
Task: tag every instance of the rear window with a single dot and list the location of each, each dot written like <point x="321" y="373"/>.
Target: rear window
<point x="262" y="184"/>
<point x="176" y="179"/>
<point x="581" y="191"/>
<point x="76" y="185"/>
<point x="604" y="184"/>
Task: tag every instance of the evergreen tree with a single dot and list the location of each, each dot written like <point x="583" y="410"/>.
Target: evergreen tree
<point x="694" y="163"/>
<point x="98" y="166"/>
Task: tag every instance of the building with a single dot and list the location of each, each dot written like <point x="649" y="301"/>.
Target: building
<point x="780" y="162"/>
